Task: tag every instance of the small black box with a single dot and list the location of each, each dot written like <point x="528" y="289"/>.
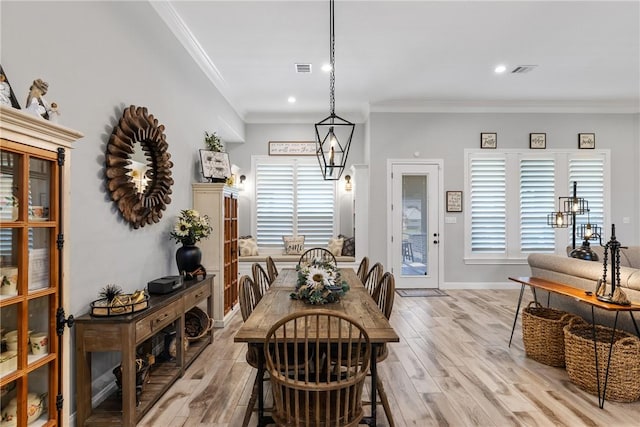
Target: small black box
<point x="164" y="285"/>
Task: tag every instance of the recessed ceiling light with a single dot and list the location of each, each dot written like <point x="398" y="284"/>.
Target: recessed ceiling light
<point x="500" y="69"/>
<point x="291" y="99"/>
<point x="326" y="68"/>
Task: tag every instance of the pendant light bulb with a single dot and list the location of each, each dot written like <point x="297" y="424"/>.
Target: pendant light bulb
<point x="559" y="219"/>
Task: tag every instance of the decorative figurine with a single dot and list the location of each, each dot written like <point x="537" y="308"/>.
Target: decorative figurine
<point x="7" y="97"/>
<point x="36" y="104"/>
<point x="54" y="114"/>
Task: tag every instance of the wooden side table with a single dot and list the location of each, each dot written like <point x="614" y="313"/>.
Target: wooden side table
<point x="587" y="298"/>
<point x="124" y="334"/>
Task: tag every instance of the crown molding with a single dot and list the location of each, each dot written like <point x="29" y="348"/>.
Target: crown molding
<point x="495" y="106"/>
<point x="177" y="26"/>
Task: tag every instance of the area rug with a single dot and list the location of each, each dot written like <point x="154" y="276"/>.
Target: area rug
<point x="421" y="293"/>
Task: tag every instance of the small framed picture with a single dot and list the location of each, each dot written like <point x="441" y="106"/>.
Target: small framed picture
<point x="7" y="97"/>
<point x="454" y="201"/>
<point x="488" y="140"/>
<point x="586" y="140"/>
<point x="215" y="165"/>
<point x="538" y="140"/>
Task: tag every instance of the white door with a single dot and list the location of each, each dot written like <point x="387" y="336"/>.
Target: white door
<point x="414" y="253"/>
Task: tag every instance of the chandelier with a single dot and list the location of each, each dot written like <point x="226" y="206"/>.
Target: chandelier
<point x="333" y="134"/>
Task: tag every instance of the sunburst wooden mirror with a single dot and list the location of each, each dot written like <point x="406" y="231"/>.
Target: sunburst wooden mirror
<point x="139" y="167"/>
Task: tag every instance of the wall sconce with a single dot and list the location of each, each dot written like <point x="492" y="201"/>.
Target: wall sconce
<point x="347" y="184"/>
<point x="243" y="178"/>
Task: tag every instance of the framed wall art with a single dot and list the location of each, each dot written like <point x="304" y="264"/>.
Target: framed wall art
<point x="292" y="148"/>
<point x="538" y="140"/>
<point x="586" y="140"/>
<point x="488" y="140"/>
<point x="215" y="165"/>
<point x="7" y="97"/>
<point x="454" y="201"/>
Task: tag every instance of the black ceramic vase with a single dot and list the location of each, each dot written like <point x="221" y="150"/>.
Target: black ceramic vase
<point x="188" y="258"/>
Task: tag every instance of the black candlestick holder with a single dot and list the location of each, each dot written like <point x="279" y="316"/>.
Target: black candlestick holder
<point x="612" y="248"/>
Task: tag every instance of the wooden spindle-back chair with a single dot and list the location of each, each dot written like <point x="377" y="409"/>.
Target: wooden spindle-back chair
<point x="363" y="269"/>
<point x="373" y="277"/>
<point x="261" y="279"/>
<point x="272" y="270"/>
<point x="313" y="393"/>
<point x="248" y="297"/>
<point x="317" y="253"/>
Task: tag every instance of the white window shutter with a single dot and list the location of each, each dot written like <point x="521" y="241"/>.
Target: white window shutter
<point x="488" y="205"/>
<point x="537" y="199"/>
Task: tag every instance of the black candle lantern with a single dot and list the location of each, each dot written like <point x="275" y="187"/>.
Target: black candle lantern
<point x="612" y="249"/>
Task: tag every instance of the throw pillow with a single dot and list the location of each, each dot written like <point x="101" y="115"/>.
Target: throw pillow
<point x="248" y="246"/>
<point x="293" y="245"/>
<point x="335" y="246"/>
<point x="348" y="246"/>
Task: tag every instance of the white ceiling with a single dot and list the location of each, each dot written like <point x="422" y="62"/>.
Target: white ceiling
<point x="414" y="55"/>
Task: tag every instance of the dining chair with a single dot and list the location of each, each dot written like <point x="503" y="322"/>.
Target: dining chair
<point x="261" y="279"/>
<point x="373" y="277"/>
<point x="272" y="270"/>
<point x="315" y="253"/>
<point x="248" y="297"/>
<point x="313" y="394"/>
<point x="363" y="269"/>
<point x="383" y="295"/>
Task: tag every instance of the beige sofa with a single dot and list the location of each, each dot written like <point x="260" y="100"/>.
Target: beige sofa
<point x="584" y="275"/>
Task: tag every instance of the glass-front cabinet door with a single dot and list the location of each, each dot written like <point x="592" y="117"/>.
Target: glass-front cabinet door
<point x="29" y="290"/>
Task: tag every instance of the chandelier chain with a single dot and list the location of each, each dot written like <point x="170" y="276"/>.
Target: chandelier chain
<point x="332" y="59"/>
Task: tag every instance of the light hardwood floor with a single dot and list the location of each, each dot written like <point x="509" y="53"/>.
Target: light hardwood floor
<point x="452" y="367"/>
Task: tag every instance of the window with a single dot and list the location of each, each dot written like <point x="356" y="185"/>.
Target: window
<point x="511" y="192"/>
<point x="292" y="198"/>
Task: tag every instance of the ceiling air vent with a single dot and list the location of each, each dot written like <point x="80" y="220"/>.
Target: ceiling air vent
<point x="521" y="69"/>
<point x="303" y="68"/>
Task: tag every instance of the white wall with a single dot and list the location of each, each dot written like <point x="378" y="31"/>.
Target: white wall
<point x="445" y="136"/>
<point x="99" y="57"/>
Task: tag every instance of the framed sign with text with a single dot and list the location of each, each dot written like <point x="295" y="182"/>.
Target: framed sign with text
<point x="454" y="201"/>
<point x="292" y="148"/>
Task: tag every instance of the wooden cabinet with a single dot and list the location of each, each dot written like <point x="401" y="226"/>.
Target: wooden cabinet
<point x="34" y="198"/>
<point x="125" y="334"/>
<point x="220" y="250"/>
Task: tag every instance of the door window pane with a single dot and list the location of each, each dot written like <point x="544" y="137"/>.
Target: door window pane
<point x="414" y="225"/>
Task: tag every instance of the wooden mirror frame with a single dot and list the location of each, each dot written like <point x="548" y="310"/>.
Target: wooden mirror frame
<point x="139" y="208"/>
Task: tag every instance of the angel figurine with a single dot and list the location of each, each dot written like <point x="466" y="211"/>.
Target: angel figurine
<point x="36" y="103"/>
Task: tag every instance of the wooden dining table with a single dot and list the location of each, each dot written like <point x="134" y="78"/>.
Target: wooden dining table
<point x="277" y="303"/>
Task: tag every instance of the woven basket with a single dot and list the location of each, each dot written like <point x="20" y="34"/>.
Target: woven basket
<point x="196" y="324"/>
<point x="542" y="333"/>
<point x="624" y="368"/>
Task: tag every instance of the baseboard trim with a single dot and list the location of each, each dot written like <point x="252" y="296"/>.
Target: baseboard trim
<point x="478" y="285"/>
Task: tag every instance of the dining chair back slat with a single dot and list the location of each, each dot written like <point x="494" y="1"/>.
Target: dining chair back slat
<point x="373" y="277"/>
<point x="317" y="253"/>
<point x="317" y="392"/>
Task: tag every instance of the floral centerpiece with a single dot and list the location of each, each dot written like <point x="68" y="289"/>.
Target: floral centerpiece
<point x="319" y="282"/>
<point x="191" y="227"/>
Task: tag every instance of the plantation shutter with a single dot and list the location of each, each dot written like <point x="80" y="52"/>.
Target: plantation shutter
<point x="589" y="174"/>
<point x="274" y="203"/>
<point x="537" y="199"/>
<point x="292" y="198"/>
<point x="315" y="206"/>
<point x="488" y="205"/>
